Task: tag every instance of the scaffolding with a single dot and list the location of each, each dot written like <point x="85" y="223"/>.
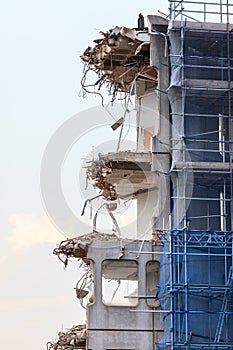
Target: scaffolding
<point x="196" y="264"/>
<point x="220" y="11"/>
<point x="196" y="288"/>
<point x="201" y="102"/>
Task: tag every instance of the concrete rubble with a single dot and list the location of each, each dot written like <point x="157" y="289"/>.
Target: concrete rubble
<point x="122" y="55"/>
<point x="78" y="247"/>
<point x="111" y="174"/>
<point x="72" y="339"/>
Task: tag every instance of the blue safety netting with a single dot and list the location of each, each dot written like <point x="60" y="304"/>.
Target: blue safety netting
<point x="196" y="289"/>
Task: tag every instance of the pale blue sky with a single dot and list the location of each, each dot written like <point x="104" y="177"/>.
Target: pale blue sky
<point x="41" y="42"/>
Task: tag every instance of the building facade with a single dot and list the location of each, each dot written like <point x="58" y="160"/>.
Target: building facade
<point x="170" y="285"/>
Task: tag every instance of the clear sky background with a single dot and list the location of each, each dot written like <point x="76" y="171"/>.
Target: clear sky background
<point x="41" y="42"/>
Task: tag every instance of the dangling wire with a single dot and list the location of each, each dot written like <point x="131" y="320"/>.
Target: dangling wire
<point x="138" y="121"/>
<point x="110" y="214"/>
<point x="89" y="201"/>
<point x="126" y="112"/>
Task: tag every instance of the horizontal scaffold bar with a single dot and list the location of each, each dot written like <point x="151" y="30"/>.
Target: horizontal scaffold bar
<point x="201" y="115"/>
<point x="204" y="165"/>
<point x="201" y="199"/>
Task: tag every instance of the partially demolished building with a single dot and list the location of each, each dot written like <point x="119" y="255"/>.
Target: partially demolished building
<point x="170" y="287"/>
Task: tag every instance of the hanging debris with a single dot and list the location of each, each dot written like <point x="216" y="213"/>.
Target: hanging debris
<point x="85" y="286"/>
<point x="72" y="339"/>
<point x="120" y="57"/>
<point x="78" y="247"/>
<point x="98" y="171"/>
<point x="121" y="175"/>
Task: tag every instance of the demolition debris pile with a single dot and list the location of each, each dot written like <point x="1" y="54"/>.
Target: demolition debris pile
<point x="72" y="339"/>
<point x="77" y="247"/>
<point x="120" y="57"/>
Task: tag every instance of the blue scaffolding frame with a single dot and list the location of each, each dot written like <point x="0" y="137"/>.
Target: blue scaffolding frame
<point x="200" y="302"/>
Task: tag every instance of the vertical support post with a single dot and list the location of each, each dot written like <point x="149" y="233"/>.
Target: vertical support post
<point x="183" y="113"/>
<point x="171" y="292"/>
<point x="186" y="286"/>
<point x="221" y="137"/>
<point x="222" y="201"/>
<point x="230" y="121"/>
<point x="171" y="10"/>
<point x="231" y="194"/>
<point x="204" y="12"/>
<point x="220" y="12"/>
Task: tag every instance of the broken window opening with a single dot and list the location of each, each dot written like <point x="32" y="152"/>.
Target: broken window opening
<point x="152" y="282"/>
<point x="120" y="282"/>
